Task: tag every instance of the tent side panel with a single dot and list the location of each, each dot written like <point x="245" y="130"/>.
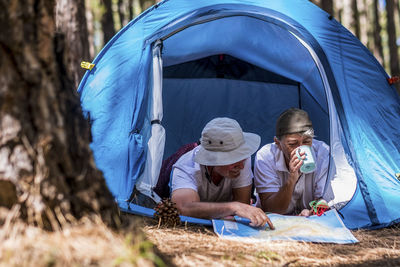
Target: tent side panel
<point x="113" y="98"/>
<point x="372" y="109"/>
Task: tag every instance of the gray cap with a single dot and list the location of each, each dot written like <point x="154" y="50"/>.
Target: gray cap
<point x="291" y="121"/>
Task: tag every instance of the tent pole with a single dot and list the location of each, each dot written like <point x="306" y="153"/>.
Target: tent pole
<point x="299" y="93"/>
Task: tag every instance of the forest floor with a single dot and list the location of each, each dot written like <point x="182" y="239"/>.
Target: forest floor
<point x="143" y="243"/>
<point x="200" y="246"/>
<point x="86" y="243"/>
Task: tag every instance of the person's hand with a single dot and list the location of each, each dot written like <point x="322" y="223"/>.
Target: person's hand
<point x="305" y="212"/>
<point x="255" y="215"/>
<point x="295" y="163"/>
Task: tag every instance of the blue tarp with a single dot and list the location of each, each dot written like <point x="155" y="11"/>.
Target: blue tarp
<point x="142" y="211"/>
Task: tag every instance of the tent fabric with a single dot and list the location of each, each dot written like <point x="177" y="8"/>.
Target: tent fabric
<point x="146" y="181"/>
<point x="292" y="61"/>
<point x="139" y="210"/>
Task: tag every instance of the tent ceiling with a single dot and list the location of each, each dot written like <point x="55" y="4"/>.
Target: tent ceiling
<point x="223" y="66"/>
<point x="262" y="44"/>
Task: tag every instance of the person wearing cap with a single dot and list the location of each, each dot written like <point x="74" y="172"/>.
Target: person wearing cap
<point x="280" y="185"/>
<point x="214" y="180"/>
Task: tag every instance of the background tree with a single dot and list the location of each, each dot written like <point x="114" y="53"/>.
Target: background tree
<point x="145" y="4"/>
<point x="327" y="5"/>
<point x="107" y="20"/>
<point x="391" y="31"/>
<point x="378" y="49"/>
<point x="47" y="170"/>
<point x="121" y="12"/>
<point x="347" y="15"/>
<point x="338" y="6"/>
<point x="71" y="22"/>
<point x="398" y="8"/>
<point x="355" y="22"/>
<point x="130" y="9"/>
<point x="364" y="22"/>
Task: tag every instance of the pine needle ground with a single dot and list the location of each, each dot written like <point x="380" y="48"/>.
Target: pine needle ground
<point x="88" y="243"/>
<point x="93" y="244"/>
<point x="199" y="246"/>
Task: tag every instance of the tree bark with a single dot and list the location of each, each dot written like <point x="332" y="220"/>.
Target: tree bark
<point x="130" y="7"/>
<point x="107" y="21"/>
<point x="355" y="24"/>
<point x="90" y="18"/>
<point x="145" y="4"/>
<point x="391" y="31"/>
<point x="363" y="20"/>
<point x="378" y="48"/>
<point x="327" y="5"/>
<point x="47" y="169"/>
<point x="121" y="12"/>
<point x="339" y="11"/>
<point x="71" y="22"/>
<point x="347" y="18"/>
<point x="397" y="3"/>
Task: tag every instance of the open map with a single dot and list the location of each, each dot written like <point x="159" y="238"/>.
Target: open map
<point x="327" y="228"/>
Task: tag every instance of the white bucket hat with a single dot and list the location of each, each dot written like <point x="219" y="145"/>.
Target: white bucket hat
<point x="223" y="142"/>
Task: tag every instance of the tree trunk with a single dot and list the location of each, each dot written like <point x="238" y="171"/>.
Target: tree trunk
<point x="347" y="14"/>
<point x="363" y="20"/>
<point x="47" y="169"/>
<point x="130" y="7"/>
<point x="378" y="48"/>
<point x="145" y="4"/>
<point x="398" y="8"/>
<point x="71" y="22"/>
<point x="121" y="12"/>
<point x="327" y="5"/>
<point x="107" y="21"/>
<point x="391" y="31"/>
<point x="369" y="4"/>
<point x="91" y="31"/>
<point x="339" y="11"/>
<point x="355" y="24"/>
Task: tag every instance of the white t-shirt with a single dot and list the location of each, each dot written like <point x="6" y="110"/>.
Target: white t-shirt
<point x="271" y="173"/>
<point x="189" y="174"/>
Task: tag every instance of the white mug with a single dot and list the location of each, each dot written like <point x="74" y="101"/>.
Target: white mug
<point x="309" y="162"/>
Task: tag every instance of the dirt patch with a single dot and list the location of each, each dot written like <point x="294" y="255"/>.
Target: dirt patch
<point x="199" y="246"/>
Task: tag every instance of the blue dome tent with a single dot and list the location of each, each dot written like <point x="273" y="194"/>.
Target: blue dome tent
<point x="181" y="63"/>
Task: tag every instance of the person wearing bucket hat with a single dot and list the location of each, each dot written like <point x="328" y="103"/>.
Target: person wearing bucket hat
<point x="214" y="180"/>
<point x="282" y="185"/>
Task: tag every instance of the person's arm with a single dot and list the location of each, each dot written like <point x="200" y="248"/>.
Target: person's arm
<point x="306" y="212"/>
<point x="321" y="176"/>
<point x="278" y="202"/>
<point x="319" y="188"/>
<point x="242" y="194"/>
<point x="188" y="204"/>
